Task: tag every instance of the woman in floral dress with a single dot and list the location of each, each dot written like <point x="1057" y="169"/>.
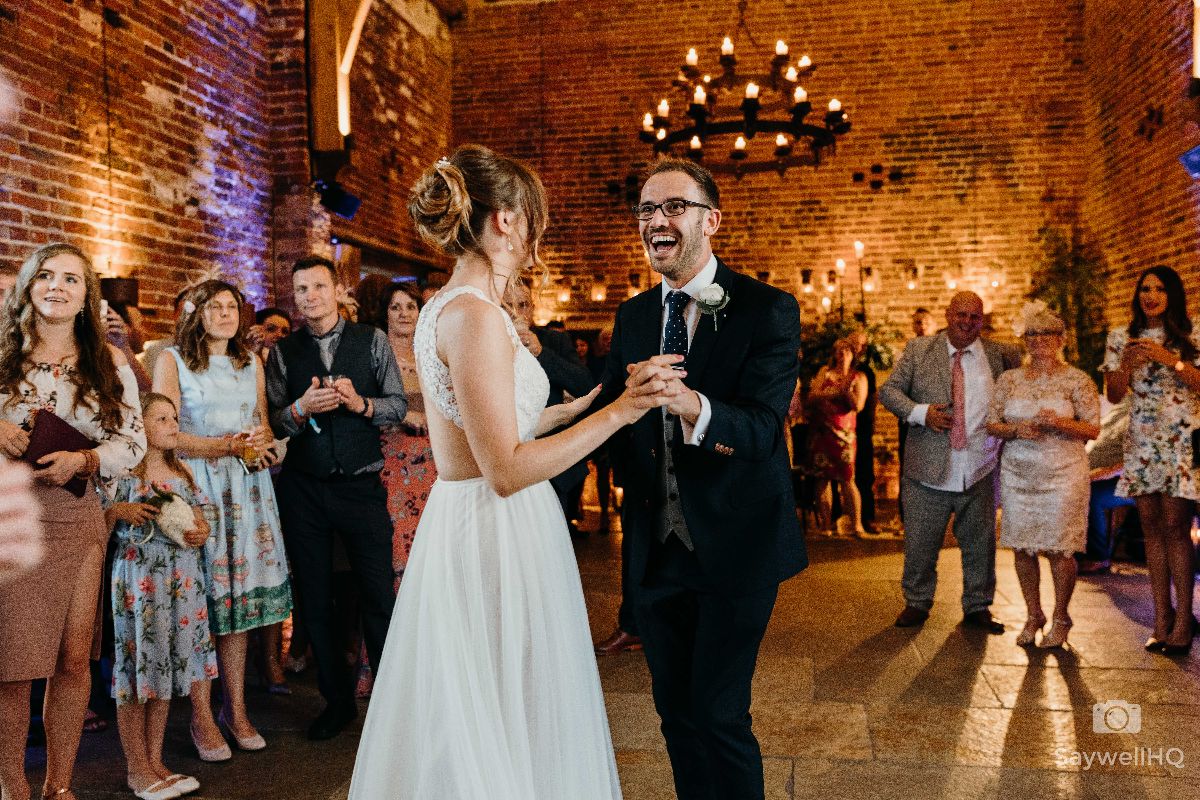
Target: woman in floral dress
<point x="838" y="393"/>
<point x="1156" y="358"/>
<point x="221" y="394"/>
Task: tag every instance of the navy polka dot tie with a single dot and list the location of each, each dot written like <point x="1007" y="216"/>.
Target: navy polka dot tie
<point x="675" y="337"/>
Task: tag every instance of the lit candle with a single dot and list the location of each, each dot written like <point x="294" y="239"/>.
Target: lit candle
<point x="791" y="74"/>
<point x="834" y="105"/>
<point x="740" y="144"/>
<point x="707" y="79"/>
<point x="808" y="288"/>
<point x="751" y="91"/>
<point x="840" y="264"/>
<point x="699" y="96"/>
<point x="648" y="122"/>
<point x="826" y="303"/>
<point x="692" y="59"/>
<point x="664" y="108"/>
<point x="800" y="96"/>
<point x="858" y="249"/>
<point x="727" y="47"/>
<point x="804" y="63"/>
<point x="912" y="285"/>
<point x="696" y="145"/>
<point x="781" y="48"/>
<point x="781" y="141"/>
<point x="662" y="134"/>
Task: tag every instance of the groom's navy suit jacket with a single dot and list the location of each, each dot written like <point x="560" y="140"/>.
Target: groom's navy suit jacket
<point x="735" y="487"/>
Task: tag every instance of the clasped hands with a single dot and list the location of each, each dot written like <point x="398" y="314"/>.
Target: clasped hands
<point x="1139" y="352"/>
<point x="319" y="398"/>
<point x="658" y="382"/>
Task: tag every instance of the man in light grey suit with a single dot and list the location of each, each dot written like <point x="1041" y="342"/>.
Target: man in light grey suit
<point x="941" y="388"/>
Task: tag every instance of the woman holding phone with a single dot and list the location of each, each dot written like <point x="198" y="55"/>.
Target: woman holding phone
<point x="1156" y="358"/>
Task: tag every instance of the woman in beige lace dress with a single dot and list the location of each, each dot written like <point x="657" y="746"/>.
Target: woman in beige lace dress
<point x="1046" y="411"/>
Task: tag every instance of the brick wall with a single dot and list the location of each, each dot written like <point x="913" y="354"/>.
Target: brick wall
<point x="1141" y="206"/>
<point x="144" y="138"/>
<point x="979" y="105"/>
<point x="172" y="139"/>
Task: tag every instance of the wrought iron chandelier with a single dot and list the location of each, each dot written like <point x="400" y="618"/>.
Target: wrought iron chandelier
<point x="734" y="105"/>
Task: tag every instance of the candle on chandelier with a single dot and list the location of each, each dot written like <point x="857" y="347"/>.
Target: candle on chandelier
<point x="800" y="95"/>
<point x="781" y="141"/>
<point x="781" y="48"/>
<point x="695" y="143"/>
<point x="727" y="47"/>
<point x="805" y="62"/>
<point x="662" y="134"/>
<point x="834" y="105"/>
<point x="840" y="264"/>
<point x="664" y="108"/>
<point x="699" y="96"/>
<point x="791" y="74"/>
<point x="692" y="59"/>
<point x="740" y="144"/>
<point x="648" y="122"/>
<point x="751" y="91"/>
<point x="858" y="249"/>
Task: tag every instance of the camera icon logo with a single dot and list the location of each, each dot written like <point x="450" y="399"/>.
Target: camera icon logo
<point x="1116" y="716"/>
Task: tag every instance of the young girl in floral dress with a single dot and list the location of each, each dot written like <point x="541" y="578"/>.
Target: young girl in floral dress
<point x="160" y="606"/>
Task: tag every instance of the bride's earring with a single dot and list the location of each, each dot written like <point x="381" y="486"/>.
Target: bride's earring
<point x="510" y="246"/>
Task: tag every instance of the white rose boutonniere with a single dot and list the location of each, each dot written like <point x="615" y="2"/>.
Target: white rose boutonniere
<point x="711" y="299"/>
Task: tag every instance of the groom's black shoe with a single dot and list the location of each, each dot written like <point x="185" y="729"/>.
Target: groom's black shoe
<point x="332" y="721"/>
<point x="984" y="620"/>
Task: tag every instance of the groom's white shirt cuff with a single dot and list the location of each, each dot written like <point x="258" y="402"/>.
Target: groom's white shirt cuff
<point x="694" y="434"/>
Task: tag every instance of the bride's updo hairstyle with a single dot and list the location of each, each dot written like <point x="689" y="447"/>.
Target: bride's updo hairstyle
<point x="451" y="202"/>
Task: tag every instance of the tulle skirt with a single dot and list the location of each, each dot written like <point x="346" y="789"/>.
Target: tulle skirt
<point x="488" y="686"/>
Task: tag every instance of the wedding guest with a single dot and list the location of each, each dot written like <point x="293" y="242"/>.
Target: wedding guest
<point x="864" y="433"/>
<point x="270" y="325"/>
<point x="408" y="469"/>
<point x="1155" y="359"/>
<point x="155" y="347"/>
<point x="839" y="392"/>
<point x="160" y="608"/>
<point x="1045" y="411"/>
<point x="54" y="360"/>
<point x="20" y="532"/>
<point x="923" y="322"/>
<point x="219" y="388"/>
<point x="942" y="386"/>
<point x="332" y="386"/>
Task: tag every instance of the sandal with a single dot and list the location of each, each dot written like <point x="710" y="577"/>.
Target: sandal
<point x="1029" y="633"/>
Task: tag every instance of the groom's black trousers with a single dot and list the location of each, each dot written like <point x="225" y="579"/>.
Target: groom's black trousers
<point x="312" y="510"/>
<point x="701" y="648"/>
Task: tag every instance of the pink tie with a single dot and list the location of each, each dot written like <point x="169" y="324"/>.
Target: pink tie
<point x="958" y="396"/>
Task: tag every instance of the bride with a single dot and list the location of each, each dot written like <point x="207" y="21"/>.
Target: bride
<point x="488" y="686"/>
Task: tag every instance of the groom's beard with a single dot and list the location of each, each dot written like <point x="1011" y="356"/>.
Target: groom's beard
<point x="681" y="261"/>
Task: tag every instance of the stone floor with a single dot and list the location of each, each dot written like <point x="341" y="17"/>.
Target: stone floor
<point x="845" y="705"/>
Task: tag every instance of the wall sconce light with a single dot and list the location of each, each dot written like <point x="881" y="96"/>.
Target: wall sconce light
<point x="806" y="283"/>
<point x="564" y="293"/>
<point x="831" y="281"/>
<point x="826" y="303"/>
<point x="911" y="276"/>
<point x="868" y="279"/>
<point x="951" y="280"/>
<point x="599" y="288"/>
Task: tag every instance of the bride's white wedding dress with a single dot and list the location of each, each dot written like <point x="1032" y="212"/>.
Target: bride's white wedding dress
<point x="488" y="686"/>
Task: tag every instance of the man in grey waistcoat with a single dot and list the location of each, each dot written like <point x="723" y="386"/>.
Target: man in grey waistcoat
<point x="941" y="388"/>
<point x="331" y="386"/>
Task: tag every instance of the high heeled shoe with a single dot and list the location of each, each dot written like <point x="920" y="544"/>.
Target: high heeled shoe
<point x="159" y="790"/>
<point x="210" y="754"/>
<point x="1057" y="637"/>
<point x="1029" y="633"/>
<point x="248" y="743"/>
<point x="1169" y="649"/>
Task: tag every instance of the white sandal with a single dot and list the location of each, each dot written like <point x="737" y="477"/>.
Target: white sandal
<point x="159" y="790"/>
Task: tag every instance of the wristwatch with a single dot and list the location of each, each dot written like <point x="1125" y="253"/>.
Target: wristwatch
<point x="1179" y="366"/>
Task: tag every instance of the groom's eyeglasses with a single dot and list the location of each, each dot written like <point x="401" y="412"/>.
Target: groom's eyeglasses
<point x="670" y="208"/>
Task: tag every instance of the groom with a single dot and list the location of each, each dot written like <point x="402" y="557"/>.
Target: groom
<point x="709" y="504"/>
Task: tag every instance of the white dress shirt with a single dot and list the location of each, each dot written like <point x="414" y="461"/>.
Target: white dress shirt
<point x="692" y="434"/>
<point x="968" y="466"/>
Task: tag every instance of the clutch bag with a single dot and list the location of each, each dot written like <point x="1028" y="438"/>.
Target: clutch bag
<point x="50" y="434"/>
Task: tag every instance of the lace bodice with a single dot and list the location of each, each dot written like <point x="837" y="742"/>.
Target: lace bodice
<point x="531" y="386"/>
